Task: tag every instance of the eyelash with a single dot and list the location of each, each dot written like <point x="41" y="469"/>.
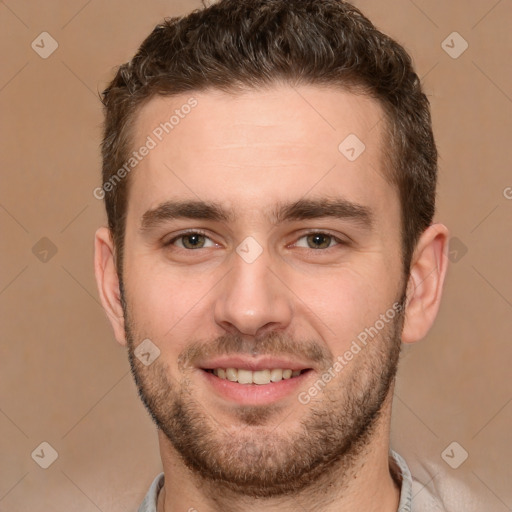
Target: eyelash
<point x="309" y="233"/>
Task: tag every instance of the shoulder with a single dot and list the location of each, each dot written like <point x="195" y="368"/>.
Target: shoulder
<point x="423" y="500"/>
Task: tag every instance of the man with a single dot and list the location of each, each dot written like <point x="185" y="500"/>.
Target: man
<point x="269" y="173"/>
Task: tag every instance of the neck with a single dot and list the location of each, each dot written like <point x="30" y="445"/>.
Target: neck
<point x="366" y="485"/>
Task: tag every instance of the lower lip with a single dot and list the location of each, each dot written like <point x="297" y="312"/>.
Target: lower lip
<point x="255" y="394"/>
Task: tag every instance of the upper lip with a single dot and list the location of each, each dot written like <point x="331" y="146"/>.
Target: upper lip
<point x="253" y="364"/>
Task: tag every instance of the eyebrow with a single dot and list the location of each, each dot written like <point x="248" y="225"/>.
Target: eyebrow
<point x="302" y="209"/>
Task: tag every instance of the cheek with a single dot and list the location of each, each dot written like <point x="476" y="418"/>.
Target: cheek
<point x="165" y="305"/>
<point x="343" y="303"/>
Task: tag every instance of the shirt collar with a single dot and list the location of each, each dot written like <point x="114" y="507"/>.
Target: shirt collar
<point x="150" y="501"/>
<point x="402" y="476"/>
<point x="397" y="464"/>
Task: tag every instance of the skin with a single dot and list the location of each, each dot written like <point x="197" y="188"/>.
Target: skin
<point x="250" y="153"/>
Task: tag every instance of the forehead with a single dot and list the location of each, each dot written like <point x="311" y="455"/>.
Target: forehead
<point x="251" y="149"/>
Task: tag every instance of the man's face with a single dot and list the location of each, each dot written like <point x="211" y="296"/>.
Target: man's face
<point x="299" y="256"/>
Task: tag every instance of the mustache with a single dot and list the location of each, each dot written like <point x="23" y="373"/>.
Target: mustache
<point x="273" y="344"/>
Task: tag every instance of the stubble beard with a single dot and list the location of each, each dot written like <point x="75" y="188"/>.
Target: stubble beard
<point x="254" y="456"/>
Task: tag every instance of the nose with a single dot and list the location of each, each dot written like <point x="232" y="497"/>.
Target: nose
<point x="252" y="299"/>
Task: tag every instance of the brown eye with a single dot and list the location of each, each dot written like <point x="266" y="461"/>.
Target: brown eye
<point x="191" y="240"/>
<point x="319" y="241"/>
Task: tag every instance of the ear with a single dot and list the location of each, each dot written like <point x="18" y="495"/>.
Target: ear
<point x="425" y="285"/>
<point x="108" y="281"/>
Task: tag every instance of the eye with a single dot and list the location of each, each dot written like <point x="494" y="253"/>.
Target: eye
<point x="318" y="240"/>
<point x="191" y="240"/>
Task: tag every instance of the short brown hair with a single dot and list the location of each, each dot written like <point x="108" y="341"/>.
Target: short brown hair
<point x="242" y="44"/>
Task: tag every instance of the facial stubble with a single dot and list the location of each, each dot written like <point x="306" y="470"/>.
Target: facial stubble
<point x="254" y="456"/>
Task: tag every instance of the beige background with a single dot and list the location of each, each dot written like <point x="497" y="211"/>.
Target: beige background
<point x="65" y="381"/>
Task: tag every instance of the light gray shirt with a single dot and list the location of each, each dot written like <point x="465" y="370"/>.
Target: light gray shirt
<point x="414" y="497"/>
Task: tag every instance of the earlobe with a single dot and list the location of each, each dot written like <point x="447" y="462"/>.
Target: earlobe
<point x="108" y="282"/>
<point x="425" y="285"/>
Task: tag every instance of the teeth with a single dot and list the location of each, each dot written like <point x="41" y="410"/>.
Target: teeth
<point x="276" y="375"/>
<point x="231" y="374"/>
<point x="244" y="377"/>
<point x="260" y="377"/>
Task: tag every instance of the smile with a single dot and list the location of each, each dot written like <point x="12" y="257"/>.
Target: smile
<point x="260" y="377"/>
<point x="255" y="387"/>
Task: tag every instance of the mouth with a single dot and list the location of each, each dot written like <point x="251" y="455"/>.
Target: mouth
<point x="258" y="377"/>
<point x="246" y="384"/>
<point x="254" y="380"/>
